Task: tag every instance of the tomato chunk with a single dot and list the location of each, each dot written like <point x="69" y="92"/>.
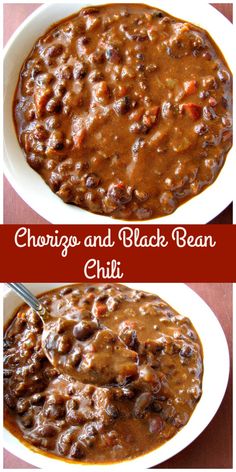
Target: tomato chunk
<point x="193" y="110"/>
<point x="190" y="87"/>
<point x="100" y="309"/>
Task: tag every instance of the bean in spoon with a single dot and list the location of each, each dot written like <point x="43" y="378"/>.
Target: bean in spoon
<point x="84" y="350"/>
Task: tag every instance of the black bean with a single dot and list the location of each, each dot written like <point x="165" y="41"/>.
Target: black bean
<point x="54" y="105"/>
<point x="65" y="291"/>
<point x="209" y="113"/>
<point x="36" y="70"/>
<point x="21" y="387"/>
<point x="168" y="413"/>
<point x="85" y="40"/>
<point x="22" y="406"/>
<point x="7" y="343"/>
<point x="130" y="338"/>
<point x="50" y="373"/>
<point x="40" y="133"/>
<point x="80" y="71"/>
<point x="47" y="430"/>
<point x="201" y="129"/>
<point x="154" y="346"/>
<point x="35" y="161"/>
<point x="58" y="146"/>
<point x="124" y="14"/>
<point x="53" y="122"/>
<point x="142" y="403"/>
<point x="92" y="181"/>
<point x="98" y="57"/>
<point x="84" y="329"/>
<point x="122" y="106"/>
<point x="71" y="389"/>
<point x="138" y="144"/>
<point x="119" y="193"/>
<point x="138" y="37"/>
<point x="72" y="404"/>
<point x="55" y="181"/>
<point x="141" y="196"/>
<point x="90" y="11"/>
<point x="167" y="109"/>
<point x="66" y="191"/>
<point x="140" y="56"/>
<point x="37" y="399"/>
<point x="155" y="425"/>
<point x="157" y="406"/>
<point x="144" y="213"/>
<point x="60" y="89"/>
<point x="124" y="392"/>
<point x="113" y="55"/>
<point x="65" y="72"/>
<point x="73" y="417"/>
<point x="56" y="141"/>
<point x="207" y="55"/>
<point x="102" y="297"/>
<point x="64" y="443"/>
<point x="209" y="83"/>
<point x="10" y="400"/>
<point x="169" y="51"/>
<point x="54" y="412"/>
<point x="77" y="450"/>
<point x="27" y="420"/>
<point x="7" y="373"/>
<point x="186" y="351"/>
<point x="210" y="141"/>
<point x="143" y="85"/>
<point x="56" y="33"/>
<point x="96" y="76"/>
<point x="157" y="14"/>
<point x="127" y="393"/>
<point x="140" y="67"/>
<point x="93" y="202"/>
<point x="226" y="121"/>
<point x="90" y="429"/>
<point x="54" y="50"/>
<point x="62" y="325"/>
<point x="162" y="398"/>
<point x="195" y="392"/>
<point x="139" y="128"/>
<point x="180" y="420"/>
<point x="223" y="75"/>
<point x="204" y="94"/>
<point x="191" y="334"/>
<point x="112" y="411"/>
<point x="112" y="304"/>
<point x="224" y="102"/>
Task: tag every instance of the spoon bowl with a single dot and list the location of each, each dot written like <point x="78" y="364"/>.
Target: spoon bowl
<point x="85" y="350"/>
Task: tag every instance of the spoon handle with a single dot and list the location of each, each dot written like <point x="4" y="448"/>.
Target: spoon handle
<point x="29" y="298"/>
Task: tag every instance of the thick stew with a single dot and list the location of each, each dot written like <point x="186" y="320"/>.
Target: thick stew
<point x="61" y="416"/>
<point x="124" y="110"/>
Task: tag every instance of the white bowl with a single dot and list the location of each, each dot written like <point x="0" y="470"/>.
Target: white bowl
<point x="31" y="187"/>
<point x="215" y="378"/>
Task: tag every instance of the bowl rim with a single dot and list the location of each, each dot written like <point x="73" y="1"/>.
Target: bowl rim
<point x="195" y="211"/>
<point x="186" y="301"/>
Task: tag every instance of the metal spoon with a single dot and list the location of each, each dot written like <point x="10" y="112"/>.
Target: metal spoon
<point x="85" y="349"/>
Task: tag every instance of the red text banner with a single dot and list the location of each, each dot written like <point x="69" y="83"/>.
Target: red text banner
<point x="152" y="253"/>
